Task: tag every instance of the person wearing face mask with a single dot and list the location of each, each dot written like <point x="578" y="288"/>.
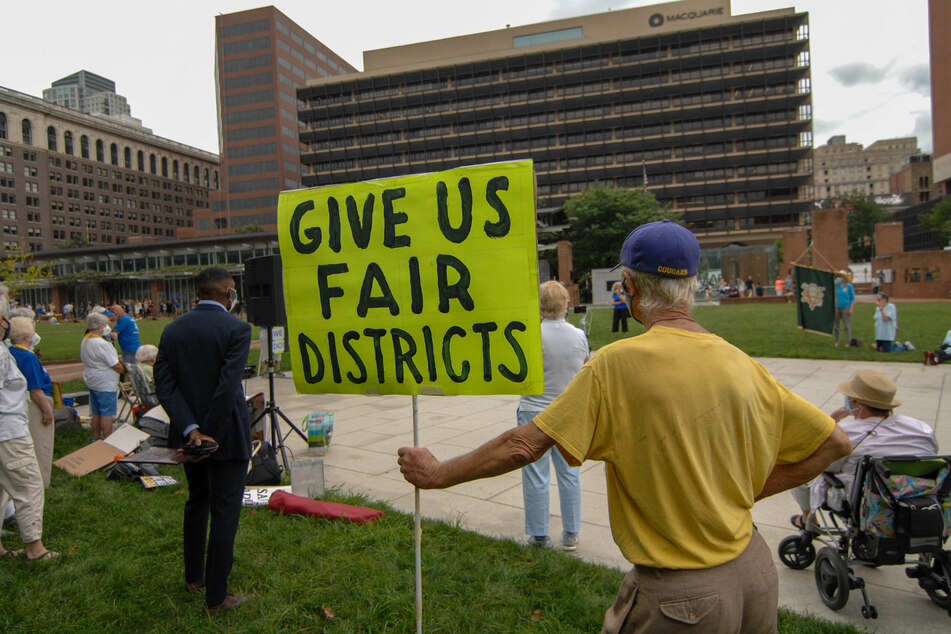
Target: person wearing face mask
<point x="23" y="339"/>
<point x="201" y="359"/>
<point x="101" y="374"/>
<point x="844" y="299"/>
<point x="874" y="429"/>
<point x="692" y="432"/>
<point x="20" y="476"/>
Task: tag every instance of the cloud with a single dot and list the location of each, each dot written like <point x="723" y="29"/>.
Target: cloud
<point x="822" y="127"/>
<point x="922" y="129"/>
<point x="856" y="73"/>
<point x="917" y="79"/>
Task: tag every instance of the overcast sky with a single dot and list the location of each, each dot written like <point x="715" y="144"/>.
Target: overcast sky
<point x="869" y="57"/>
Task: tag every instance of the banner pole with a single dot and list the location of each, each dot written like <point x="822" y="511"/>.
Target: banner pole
<point x="417" y="529"/>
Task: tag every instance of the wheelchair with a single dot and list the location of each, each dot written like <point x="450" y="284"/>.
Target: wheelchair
<point x="898" y="506"/>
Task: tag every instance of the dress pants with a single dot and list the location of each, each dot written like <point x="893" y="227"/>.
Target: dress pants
<point x="215" y="490"/>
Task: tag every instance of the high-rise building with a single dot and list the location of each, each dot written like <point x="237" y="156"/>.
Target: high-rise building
<point x="91" y="94"/>
<point x="69" y="177"/>
<point x="913" y="178"/>
<point x="845" y="169"/>
<point x="711" y="111"/>
<point x="939" y="31"/>
<point x="262" y="57"/>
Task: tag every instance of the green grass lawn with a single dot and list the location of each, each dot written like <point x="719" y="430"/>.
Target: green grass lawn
<point x="121" y="570"/>
<point x="770" y="330"/>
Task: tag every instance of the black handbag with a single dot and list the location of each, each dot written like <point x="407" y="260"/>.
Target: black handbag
<point x="264" y="469"/>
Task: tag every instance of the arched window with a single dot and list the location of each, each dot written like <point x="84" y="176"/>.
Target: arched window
<point x="84" y="146"/>
<point x="27" y="132"/>
<point x="175" y="169"/>
<point x="100" y="151"/>
<point x="3" y="126"/>
<point x="206" y="177"/>
<point x="152" y="163"/>
<point x="128" y="158"/>
<point x="164" y="167"/>
<point x="141" y="161"/>
<point x="68" y="142"/>
<point x="51" y="139"/>
<point x="188" y="176"/>
<point x="216" y="179"/>
<point x="114" y="154"/>
<point x="197" y="176"/>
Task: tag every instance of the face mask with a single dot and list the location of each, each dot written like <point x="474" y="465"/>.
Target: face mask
<point x="36" y="341"/>
<point x="106" y="330"/>
<point x="838" y="280"/>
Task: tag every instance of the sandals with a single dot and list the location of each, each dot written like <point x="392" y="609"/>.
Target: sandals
<point x="49" y="554"/>
<point x="11" y="554"/>
<point x="796" y="521"/>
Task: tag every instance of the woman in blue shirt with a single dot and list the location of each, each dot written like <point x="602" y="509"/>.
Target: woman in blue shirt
<point x="621" y="311"/>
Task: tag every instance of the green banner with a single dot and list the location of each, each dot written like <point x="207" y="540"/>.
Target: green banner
<point x="815" y="295"/>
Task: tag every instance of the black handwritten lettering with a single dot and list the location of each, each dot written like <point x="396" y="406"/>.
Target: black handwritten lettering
<point x="360" y="229"/>
<point x="347" y="338"/>
<point x="430" y="354"/>
<point x="312" y="233"/>
<point x="386" y="300"/>
<point x="404" y="356"/>
<point x="326" y="291"/>
<point x="307" y="346"/>
<point x="454" y="234"/>
<point x="415" y="288"/>
<point x="333" y="228"/>
<point x="458" y="290"/>
<point x="484" y="329"/>
<point x="392" y="218"/>
<point x="376" y="334"/>
<point x="500" y="228"/>
<point x="447" y="355"/>
<point x="332" y="353"/>
<point x="515" y="377"/>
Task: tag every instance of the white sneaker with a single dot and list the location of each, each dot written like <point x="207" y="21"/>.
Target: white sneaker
<point x="569" y="540"/>
<point x="909" y="345"/>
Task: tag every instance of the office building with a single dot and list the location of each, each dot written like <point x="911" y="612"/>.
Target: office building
<point x="847" y="169"/>
<point x="262" y="57"/>
<point x="914" y="178"/>
<point x="711" y="111"/>
<point x="939" y="31"/>
<point x="69" y="177"/>
<point x="91" y="94"/>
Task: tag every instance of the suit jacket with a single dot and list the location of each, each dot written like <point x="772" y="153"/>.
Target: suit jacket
<point x="201" y="358"/>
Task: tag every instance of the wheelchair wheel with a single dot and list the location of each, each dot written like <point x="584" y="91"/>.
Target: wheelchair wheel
<point x="941" y="566"/>
<point x="797" y="552"/>
<point x="832" y="579"/>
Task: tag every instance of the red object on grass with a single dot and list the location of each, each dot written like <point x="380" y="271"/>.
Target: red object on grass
<point x="283" y="502"/>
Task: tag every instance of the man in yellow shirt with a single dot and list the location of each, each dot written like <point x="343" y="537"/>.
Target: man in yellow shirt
<point x="692" y="432"/>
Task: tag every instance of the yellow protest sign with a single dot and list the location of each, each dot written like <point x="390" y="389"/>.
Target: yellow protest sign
<point x="421" y="284"/>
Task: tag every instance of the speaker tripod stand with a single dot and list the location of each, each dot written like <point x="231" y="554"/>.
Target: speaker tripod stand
<point x="271" y="409"/>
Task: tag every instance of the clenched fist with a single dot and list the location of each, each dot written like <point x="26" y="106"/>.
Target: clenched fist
<point x="419" y="467"/>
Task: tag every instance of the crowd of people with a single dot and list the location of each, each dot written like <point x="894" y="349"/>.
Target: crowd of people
<point x="135" y="308"/>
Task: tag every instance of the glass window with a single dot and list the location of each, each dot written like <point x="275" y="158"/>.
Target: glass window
<point x="84" y="146"/>
<point x="245" y="27"/>
<point x="546" y="38"/>
<point x="244" y="46"/>
<point x="27" y="132"/>
<point x="51" y="138"/>
<point x="114" y="154"/>
<point x="141" y="161"/>
<point x="247" y="63"/>
<point x="3" y="126"/>
<point x="68" y="142"/>
<point x="100" y="151"/>
<point x="128" y="158"/>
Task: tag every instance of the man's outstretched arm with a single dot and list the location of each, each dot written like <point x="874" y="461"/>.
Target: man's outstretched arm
<point x="788" y="476"/>
<point x="509" y="451"/>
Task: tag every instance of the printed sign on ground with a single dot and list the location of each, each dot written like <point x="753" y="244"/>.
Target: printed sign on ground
<point x="412" y="285"/>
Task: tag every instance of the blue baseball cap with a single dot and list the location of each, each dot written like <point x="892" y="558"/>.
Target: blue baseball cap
<point x="662" y="248"/>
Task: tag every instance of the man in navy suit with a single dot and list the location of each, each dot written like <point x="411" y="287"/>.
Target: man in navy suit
<point x="201" y="358"/>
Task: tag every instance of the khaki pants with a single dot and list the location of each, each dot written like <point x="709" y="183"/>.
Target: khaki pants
<point x="42" y="440"/>
<point x="738" y="596"/>
<point x="20" y="478"/>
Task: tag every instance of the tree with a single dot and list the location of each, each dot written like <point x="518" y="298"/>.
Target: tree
<point x="863" y="216"/>
<point x="75" y="242"/>
<point x="18" y="271"/>
<point x="939" y="220"/>
<point x="601" y="217"/>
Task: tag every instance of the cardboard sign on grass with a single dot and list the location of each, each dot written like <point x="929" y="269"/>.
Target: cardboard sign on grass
<point x="421" y="284"/>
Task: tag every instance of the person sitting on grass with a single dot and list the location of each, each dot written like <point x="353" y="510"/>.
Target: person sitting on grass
<point x="874" y="431"/>
<point x="941" y="354"/>
<point x="886" y="327"/>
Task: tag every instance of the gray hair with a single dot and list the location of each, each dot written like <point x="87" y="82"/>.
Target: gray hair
<point x="146" y="353"/>
<point x="20" y="328"/>
<point x="4" y="300"/>
<point x="23" y="311"/>
<point x="659" y="293"/>
<point x="95" y="321"/>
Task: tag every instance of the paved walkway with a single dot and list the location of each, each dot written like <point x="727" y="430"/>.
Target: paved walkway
<point x="368" y="430"/>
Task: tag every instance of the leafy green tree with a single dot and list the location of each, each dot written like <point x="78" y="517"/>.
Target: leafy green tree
<point x="862" y="218"/>
<point x="939" y="220"/>
<point x="601" y="217"/>
<point x="18" y="271"/>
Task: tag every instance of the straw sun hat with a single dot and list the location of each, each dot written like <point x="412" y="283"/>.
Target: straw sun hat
<point x="871" y="388"/>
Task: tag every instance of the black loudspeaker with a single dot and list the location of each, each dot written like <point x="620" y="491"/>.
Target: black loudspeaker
<point x="264" y="291"/>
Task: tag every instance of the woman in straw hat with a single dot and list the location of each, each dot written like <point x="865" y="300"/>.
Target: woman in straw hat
<point x="874" y="431"/>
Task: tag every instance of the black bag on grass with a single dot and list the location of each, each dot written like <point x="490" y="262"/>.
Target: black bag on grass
<point x="264" y="469"/>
